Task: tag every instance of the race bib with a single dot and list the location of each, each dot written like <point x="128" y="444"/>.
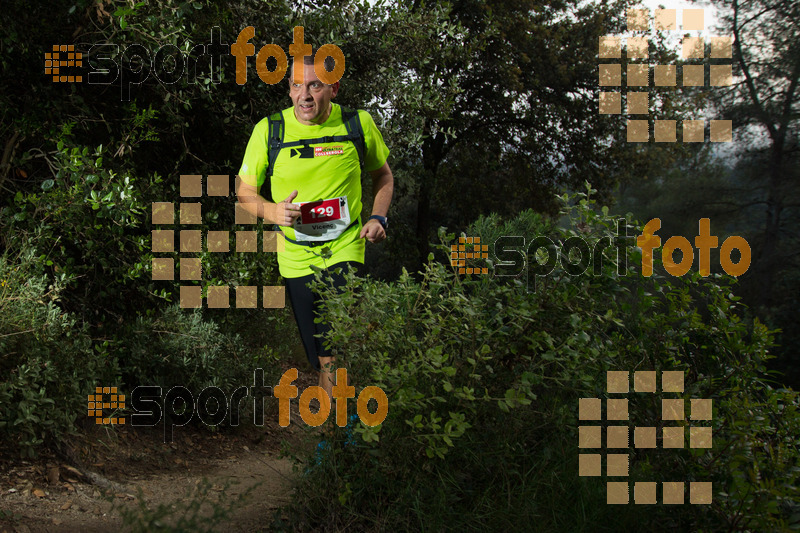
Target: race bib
<point x="322" y="220"/>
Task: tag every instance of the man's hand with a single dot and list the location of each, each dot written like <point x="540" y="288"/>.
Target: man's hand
<point x="373" y="231"/>
<point x="286" y="212"/>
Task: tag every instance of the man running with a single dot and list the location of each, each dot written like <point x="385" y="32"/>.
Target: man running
<point x="325" y="177"/>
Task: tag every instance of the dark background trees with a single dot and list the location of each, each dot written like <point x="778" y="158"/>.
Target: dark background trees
<point x="765" y="107"/>
<point x="749" y="187"/>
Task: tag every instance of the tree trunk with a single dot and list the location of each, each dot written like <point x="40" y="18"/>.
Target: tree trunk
<point x="432" y="154"/>
<point x="770" y="244"/>
<point x="424" y="216"/>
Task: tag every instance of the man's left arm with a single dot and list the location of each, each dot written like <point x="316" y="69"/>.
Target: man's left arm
<point x="382" y="189"/>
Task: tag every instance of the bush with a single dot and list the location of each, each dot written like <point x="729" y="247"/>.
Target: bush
<point x="483" y="380"/>
<point x="47" y="362"/>
<point x="82" y="240"/>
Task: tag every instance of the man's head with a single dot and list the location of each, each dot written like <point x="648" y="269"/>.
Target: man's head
<point x="311" y="99"/>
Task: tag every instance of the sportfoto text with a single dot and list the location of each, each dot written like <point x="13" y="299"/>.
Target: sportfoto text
<point x="169" y="63"/>
<point x="575" y="254"/>
<point x="213" y="408"/>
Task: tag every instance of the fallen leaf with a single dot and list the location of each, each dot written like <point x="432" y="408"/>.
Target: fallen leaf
<point x="73" y="470"/>
<point x="66" y="506"/>
<point x="39" y="493"/>
<point x="52" y="474"/>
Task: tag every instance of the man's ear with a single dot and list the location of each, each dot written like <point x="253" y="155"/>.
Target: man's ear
<point x="334" y="89"/>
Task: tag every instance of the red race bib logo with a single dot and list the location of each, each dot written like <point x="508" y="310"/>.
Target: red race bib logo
<point x="321" y="211"/>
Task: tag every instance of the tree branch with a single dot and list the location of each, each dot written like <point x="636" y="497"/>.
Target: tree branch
<point x="746" y="71"/>
<point x="5" y="163"/>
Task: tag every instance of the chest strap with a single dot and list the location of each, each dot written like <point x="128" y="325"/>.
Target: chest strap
<point x="277" y="126"/>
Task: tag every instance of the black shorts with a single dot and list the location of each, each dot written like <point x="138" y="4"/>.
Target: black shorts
<point x="306" y="304"/>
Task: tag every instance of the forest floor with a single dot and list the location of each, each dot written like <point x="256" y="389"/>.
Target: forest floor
<point x="239" y="470"/>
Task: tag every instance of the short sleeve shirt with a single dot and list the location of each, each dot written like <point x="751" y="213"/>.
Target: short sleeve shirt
<point x="327" y="170"/>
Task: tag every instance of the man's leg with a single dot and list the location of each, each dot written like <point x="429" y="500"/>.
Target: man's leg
<point x="306" y="306"/>
<point x="303" y="308"/>
<point x="326" y="358"/>
<point x="326" y="375"/>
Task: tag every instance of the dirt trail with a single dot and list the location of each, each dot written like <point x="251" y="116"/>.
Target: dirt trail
<point x="47" y="495"/>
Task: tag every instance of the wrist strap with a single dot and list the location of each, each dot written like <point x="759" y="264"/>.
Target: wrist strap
<point x="380" y="219"/>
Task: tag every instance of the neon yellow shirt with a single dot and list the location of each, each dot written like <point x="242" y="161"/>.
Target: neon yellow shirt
<point x="322" y="174"/>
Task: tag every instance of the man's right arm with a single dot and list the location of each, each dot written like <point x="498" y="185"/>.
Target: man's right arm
<point x="283" y="213"/>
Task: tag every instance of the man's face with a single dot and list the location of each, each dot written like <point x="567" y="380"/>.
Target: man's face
<point x="312" y="99"/>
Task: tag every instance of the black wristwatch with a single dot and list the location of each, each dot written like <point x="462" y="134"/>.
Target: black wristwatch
<point x="383" y="221"/>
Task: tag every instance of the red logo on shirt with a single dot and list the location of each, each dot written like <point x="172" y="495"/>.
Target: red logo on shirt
<point x="320" y="151"/>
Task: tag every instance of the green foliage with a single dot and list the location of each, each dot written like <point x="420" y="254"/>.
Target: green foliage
<point x="181" y="347"/>
<point x="483" y="380"/>
<point x="84" y="221"/>
<point x="48" y="362"/>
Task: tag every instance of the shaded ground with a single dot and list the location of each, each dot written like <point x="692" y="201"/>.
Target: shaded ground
<point x="49" y="495"/>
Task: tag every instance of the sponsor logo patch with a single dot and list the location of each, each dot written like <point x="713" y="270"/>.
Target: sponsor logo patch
<point x="320" y="151"/>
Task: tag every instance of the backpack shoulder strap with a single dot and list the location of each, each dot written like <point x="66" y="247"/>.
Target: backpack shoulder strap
<point x="353" y="124"/>
<point x="350" y="118"/>
<point x="274" y="140"/>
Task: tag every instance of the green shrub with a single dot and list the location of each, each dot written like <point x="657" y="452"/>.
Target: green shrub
<point x="179" y="347"/>
<point x="483" y="379"/>
<point x="47" y="361"/>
